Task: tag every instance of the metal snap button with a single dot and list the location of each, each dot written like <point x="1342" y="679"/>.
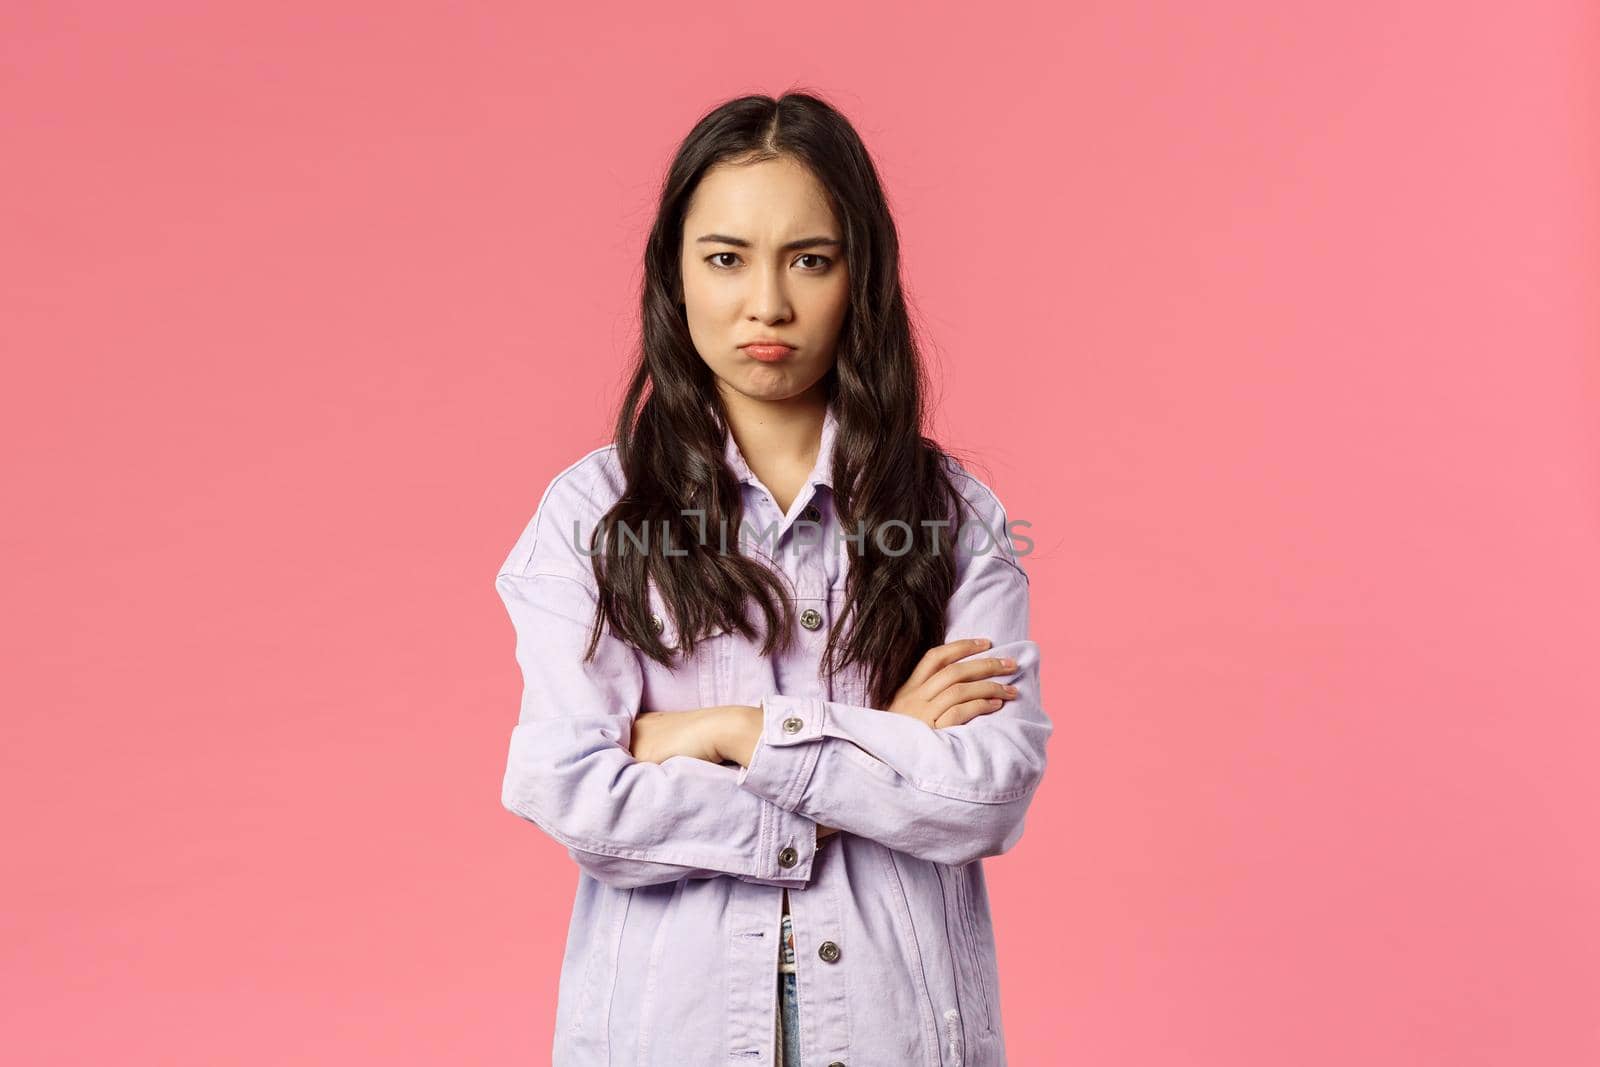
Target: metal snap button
<point x="655" y="620"/>
<point x="811" y="618"/>
<point x="792" y="725"/>
<point x="828" y="951"/>
<point x="788" y="857"/>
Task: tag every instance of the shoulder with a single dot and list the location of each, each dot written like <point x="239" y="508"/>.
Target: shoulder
<point x="569" y="508"/>
<point x="986" y="527"/>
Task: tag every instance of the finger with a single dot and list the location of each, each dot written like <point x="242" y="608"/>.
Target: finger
<point x="952" y="695"/>
<point x="939" y="656"/>
<point x="966" y="711"/>
<point x="976" y="691"/>
<point x="993" y="690"/>
<point x="969" y="669"/>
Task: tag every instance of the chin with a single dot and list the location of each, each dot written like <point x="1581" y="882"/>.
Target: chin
<point x="775" y="383"/>
<point x="769" y="382"/>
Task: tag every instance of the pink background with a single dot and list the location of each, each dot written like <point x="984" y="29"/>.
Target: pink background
<point x="1278" y="323"/>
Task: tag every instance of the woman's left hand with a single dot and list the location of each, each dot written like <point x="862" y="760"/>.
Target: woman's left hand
<point x="711" y="734"/>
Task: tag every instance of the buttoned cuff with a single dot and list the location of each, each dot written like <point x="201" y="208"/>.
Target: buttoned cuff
<point x="788" y="846"/>
<point x="785" y="755"/>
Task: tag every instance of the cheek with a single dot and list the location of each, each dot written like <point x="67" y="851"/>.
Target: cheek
<point x="711" y="308"/>
<point x="839" y="303"/>
<point x="713" y="344"/>
<point x="706" y="329"/>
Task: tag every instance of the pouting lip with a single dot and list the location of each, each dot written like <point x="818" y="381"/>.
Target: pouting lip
<point x="767" y="343"/>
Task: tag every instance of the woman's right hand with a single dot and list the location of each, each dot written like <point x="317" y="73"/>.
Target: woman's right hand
<point x="946" y="689"/>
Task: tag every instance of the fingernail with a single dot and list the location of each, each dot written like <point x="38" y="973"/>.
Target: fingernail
<point x="1011" y="689"/>
<point x="1008" y="663"/>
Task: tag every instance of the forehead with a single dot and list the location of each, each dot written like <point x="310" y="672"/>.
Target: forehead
<point x="775" y="198"/>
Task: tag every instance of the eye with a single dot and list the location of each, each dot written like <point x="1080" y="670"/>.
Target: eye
<point x="822" y="263"/>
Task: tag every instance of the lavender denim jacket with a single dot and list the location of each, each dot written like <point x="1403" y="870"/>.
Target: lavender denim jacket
<point x="672" y="948"/>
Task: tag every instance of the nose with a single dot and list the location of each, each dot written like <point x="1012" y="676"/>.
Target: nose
<point x="769" y="298"/>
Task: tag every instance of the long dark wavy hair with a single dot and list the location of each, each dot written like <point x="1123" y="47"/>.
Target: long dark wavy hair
<point x="671" y="427"/>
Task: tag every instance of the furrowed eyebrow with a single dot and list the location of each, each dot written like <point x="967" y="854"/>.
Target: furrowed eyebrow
<point x="792" y="246"/>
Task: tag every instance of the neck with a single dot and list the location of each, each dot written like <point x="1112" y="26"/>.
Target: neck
<point x="777" y="435"/>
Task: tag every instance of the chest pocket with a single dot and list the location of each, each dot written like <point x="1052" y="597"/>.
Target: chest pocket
<point x="699" y="680"/>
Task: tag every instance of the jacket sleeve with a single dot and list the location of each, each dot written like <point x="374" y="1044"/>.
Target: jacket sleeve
<point x="569" y="770"/>
<point x="949" y="795"/>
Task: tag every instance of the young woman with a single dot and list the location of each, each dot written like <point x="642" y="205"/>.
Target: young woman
<point x="780" y="698"/>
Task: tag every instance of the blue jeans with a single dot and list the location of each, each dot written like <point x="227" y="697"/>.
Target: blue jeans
<point x="788" y="1001"/>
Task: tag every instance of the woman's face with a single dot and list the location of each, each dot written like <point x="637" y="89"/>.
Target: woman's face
<point x="762" y="258"/>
